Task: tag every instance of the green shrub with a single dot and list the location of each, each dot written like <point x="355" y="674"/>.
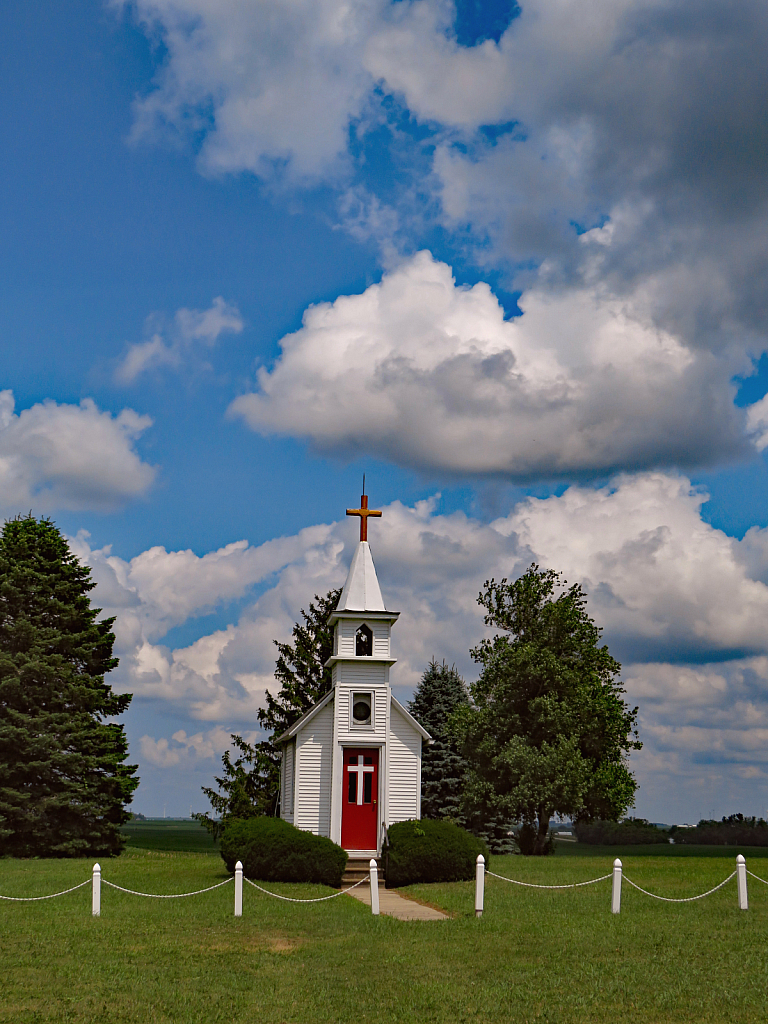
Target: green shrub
<point x="274" y="851"/>
<point x="630" y="832"/>
<point x="431" y="851"/>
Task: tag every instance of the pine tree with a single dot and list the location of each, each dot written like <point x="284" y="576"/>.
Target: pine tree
<point x="440" y="692"/>
<point x="251" y="784"/>
<point x="64" y="783"/>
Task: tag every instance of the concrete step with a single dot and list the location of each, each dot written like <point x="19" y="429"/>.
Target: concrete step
<point x="359" y="868"/>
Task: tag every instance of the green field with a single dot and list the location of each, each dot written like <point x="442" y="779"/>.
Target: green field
<point x="534" y="956"/>
<point x="173" y="836"/>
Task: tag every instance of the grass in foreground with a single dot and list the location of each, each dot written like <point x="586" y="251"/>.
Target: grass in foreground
<point x="534" y="956"/>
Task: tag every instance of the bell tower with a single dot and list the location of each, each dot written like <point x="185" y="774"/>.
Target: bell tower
<point x="360" y="664"/>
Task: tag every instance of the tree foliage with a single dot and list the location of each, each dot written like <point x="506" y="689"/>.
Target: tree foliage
<point x="547" y="731"/>
<point x="250" y="785"/>
<point x="439" y="693"/>
<point x="64" y="783"/>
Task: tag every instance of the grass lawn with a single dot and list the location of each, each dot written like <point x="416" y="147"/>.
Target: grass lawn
<point x="534" y="956"/>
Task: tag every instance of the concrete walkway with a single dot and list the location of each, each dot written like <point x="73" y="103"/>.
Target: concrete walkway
<point x="393" y="904"/>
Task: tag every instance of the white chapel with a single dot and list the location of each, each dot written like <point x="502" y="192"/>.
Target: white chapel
<point x="352" y="764"/>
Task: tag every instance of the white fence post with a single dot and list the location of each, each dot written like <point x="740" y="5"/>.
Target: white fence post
<point x="96" y="892"/>
<point x="479" y="884"/>
<point x="374" y="886"/>
<point x="741" y="882"/>
<point x="616" y="888"/>
<point x="239" y="889"/>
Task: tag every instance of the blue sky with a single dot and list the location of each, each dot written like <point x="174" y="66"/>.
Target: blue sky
<point x="507" y="260"/>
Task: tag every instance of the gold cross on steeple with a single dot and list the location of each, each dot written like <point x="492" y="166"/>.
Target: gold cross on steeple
<point x="364" y="512"/>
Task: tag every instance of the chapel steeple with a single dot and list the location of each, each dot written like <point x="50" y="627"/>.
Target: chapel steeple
<point x="361" y="591"/>
<point x="352" y="764"/>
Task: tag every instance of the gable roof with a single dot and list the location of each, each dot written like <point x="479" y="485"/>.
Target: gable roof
<point x="306" y="717"/>
<point x="409" y="718"/>
<point x="309" y="715"/>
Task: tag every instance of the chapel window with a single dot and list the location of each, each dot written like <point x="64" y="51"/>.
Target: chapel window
<point x="361" y="709"/>
<point x="364" y="642"/>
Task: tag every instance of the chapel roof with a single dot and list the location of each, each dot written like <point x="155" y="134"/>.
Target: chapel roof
<point x="361" y="592"/>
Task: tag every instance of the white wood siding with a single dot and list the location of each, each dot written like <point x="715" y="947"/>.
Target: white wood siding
<point x="346" y="733"/>
<point x="344" y="637"/>
<point x="362" y="672"/>
<point x="346" y="634"/>
<point x="313" y="773"/>
<point x="380" y="639"/>
<point x="403" y="767"/>
<point x="286" y="797"/>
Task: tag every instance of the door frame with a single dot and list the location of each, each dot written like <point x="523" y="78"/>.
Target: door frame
<point x="380" y="747"/>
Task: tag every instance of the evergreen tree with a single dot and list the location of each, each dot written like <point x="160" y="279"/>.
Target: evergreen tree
<point x="440" y="692"/>
<point x="251" y="784"/>
<point x="64" y="783"/>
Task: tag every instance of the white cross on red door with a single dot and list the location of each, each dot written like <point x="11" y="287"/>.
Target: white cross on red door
<point x="360" y="769"/>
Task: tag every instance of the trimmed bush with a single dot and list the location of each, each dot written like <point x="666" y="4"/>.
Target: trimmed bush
<point x="431" y="851"/>
<point x="630" y="832"/>
<point x="274" y="851"/>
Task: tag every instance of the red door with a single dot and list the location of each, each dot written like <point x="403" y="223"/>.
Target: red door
<point x="359" y="799"/>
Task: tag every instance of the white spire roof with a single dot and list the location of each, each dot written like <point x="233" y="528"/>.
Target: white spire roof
<point x="361" y="592"/>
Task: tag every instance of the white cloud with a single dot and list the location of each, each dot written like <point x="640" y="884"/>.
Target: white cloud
<point x="662" y="580"/>
<point x="190" y="327"/>
<point x="642" y="106"/>
<point x="185" y="750"/>
<point x="659" y="579"/>
<point x="431" y="375"/>
<point x="69" y="456"/>
<point x="272" y="85"/>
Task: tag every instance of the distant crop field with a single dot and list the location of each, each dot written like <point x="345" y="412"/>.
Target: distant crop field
<point x="552" y="956"/>
<point x="179" y="836"/>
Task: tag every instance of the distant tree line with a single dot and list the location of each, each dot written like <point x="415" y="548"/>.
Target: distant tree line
<point x="735" y="830"/>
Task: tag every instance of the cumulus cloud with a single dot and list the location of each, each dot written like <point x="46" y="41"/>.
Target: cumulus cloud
<point x="272" y="86"/>
<point x="69" y="456"/>
<point x="648" y="113"/>
<point x="429" y="374"/>
<point x="662" y="582"/>
<point x="189" y="329"/>
<point x="643" y="113"/>
<point x="185" y="750"/>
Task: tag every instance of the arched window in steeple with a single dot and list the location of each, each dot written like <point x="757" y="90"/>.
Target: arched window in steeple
<point x="364" y="642"/>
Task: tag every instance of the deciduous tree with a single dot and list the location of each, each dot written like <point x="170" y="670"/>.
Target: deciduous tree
<point x="548" y="731"/>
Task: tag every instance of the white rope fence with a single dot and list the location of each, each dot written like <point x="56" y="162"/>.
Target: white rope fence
<point x="685" y="899"/>
<point x="166" y="896"/>
<point x="96" y="881"/>
<point x="372" y="878"/>
<point x="740" y="874"/>
<point x="50" y="896"/>
<point x="533" y="885"/>
<point x="317" y="899"/>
